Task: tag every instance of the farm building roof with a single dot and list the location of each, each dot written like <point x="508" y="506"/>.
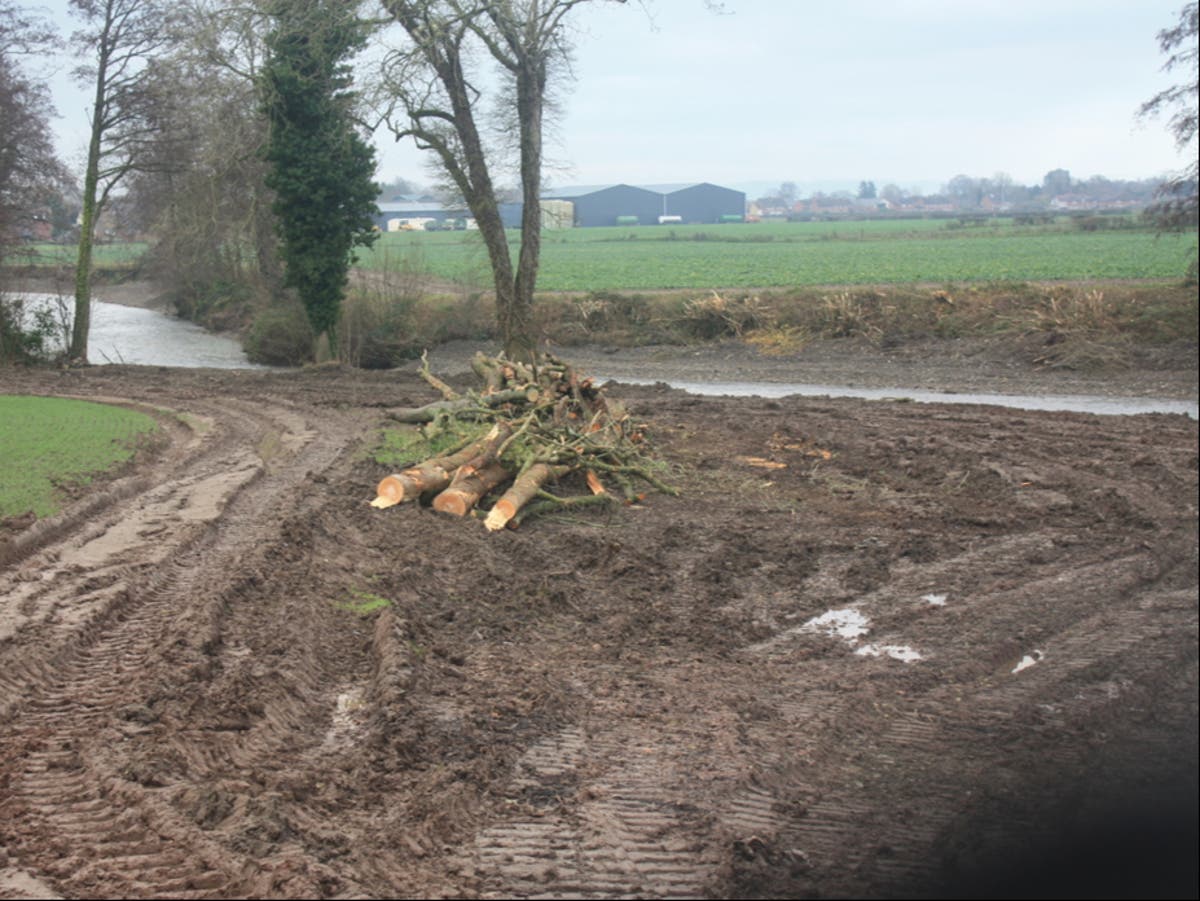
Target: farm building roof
<point x="572" y="191"/>
<point x="416" y="206"/>
<point x="672" y="188"/>
<point x="577" y="191"/>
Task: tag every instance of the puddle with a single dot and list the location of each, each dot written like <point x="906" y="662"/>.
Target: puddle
<point x="1072" y="403"/>
<point x="850" y="625"/>
<point x="895" y="651"/>
<point x="847" y="624"/>
<point x="1028" y="660"/>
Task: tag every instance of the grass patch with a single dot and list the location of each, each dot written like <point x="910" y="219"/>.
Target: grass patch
<point x="405" y="445"/>
<point x="50" y="447"/>
<point x="364" y="603"/>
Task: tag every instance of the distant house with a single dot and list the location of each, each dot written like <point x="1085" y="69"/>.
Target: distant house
<point x="36" y="225"/>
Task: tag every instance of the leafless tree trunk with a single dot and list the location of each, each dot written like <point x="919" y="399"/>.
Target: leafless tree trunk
<point x="437" y="104"/>
<point x="120" y="36"/>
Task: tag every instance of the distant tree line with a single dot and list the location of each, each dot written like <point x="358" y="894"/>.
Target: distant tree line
<point x="965" y="193"/>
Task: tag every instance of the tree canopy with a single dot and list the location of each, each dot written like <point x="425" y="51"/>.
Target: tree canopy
<point x="29" y="169"/>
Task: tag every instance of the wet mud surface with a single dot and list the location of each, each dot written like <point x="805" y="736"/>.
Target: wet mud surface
<point x="872" y="649"/>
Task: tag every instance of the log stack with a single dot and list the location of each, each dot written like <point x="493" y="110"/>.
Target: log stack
<point x="534" y="425"/>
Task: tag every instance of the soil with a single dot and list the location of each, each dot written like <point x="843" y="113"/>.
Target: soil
<point x="872" y="649"/>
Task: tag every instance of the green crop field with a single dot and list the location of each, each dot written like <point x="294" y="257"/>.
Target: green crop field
<point x="103" y="255"/>
<point x="48" y="444"/>
<point x="793" y="254"/>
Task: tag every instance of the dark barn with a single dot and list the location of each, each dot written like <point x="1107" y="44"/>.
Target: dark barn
<point x="702" y="203"/>
<point x="610" y="204"/>
<point x="646" y="204"/>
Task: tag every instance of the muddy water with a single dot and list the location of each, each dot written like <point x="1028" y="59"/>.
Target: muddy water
<point x="1110" y="406"/>
<point x="122" y="334"/>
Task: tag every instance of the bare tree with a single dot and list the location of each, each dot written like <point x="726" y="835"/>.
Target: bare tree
<point x="120" y="37"/>
<point x="204" y="196"/>
<point x="438" y="99"/>
<point x="1176" y="207"/>
<point x="29" y="169"/>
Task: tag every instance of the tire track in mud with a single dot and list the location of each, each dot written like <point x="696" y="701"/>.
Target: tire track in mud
<point x="188" y="538"/>
<point x="625" y="833"/>
<point x="873" y="830"/>
<point x="599" y="819"/>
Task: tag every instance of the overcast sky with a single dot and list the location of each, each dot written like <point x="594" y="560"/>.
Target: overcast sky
<point x="828" y="94"/>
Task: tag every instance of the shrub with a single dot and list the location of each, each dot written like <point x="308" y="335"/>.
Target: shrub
<point x="28" y="332"/>
<point x="279" y="336"/>
<point x="375" y="330"/>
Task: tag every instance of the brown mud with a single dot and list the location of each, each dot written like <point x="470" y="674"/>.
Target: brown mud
<point x="873" y="649"/>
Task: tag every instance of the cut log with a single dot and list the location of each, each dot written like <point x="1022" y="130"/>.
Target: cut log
<point x="436" y="473"/>
<point x="594" y="483"/>
<point x="488" y="370"/>
<point x="526" y="486"/>
<point x="468" y="486"/>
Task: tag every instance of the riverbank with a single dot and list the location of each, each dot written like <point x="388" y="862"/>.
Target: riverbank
<point x="1032" y="363"/>
<point x="134" y="293"/>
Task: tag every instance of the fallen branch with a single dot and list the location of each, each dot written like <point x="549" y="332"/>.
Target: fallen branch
<point x="476" y="406"/>
<point x="437" y="384"/>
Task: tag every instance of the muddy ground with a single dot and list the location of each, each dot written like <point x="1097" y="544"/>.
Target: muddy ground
<point x="652" y="702"/>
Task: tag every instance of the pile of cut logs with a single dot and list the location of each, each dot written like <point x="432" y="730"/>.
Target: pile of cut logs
<point x="535" y="425"/>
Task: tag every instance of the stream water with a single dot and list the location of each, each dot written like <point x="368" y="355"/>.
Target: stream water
<point x="122" y="334"/>
<point x="1111" y="406"/>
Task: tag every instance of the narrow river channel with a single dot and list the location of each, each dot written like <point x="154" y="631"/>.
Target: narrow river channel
<point x="122" y="334"/>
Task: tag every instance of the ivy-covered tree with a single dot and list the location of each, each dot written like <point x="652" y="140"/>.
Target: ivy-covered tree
<point x="320" y="167"/>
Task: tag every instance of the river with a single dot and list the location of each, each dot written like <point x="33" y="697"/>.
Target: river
<point x="122" y="334"/>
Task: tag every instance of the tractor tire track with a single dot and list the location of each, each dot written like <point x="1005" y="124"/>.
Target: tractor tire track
<point x="67" y="715"/>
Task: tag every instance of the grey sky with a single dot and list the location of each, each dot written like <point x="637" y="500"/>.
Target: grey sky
<point x="905" y="91"/>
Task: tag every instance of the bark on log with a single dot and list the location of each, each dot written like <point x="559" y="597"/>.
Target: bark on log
<point x="436" y="383"/>
<point x="487" y="369"/>
<point x="468" y="486"/>
<point x="436" y="473"/>
<point x="526" y="486"/>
